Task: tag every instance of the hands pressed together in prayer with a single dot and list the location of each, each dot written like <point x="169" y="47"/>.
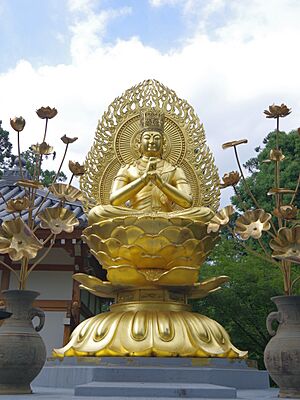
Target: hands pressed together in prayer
<point x="151" y="173"/>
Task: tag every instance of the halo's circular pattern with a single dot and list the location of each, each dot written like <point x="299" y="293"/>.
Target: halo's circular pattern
<point x="127" y="135"/>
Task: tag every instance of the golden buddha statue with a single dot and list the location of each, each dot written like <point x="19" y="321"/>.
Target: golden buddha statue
<point x="156" y="189"/>
<point x="150" y="184"/>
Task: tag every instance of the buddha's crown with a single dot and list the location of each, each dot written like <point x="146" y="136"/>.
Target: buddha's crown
<point x="152" y="120"/>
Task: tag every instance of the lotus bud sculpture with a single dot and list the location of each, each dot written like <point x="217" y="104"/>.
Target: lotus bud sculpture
<point x="18" y="238"/>
<point x="283" y="225"/>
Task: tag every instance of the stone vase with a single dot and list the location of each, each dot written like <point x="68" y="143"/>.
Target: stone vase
<point x="282" y="354"/>
<point x="22" y="350"/>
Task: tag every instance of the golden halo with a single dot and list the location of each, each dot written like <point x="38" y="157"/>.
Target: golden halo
<point x="185" y="144"/>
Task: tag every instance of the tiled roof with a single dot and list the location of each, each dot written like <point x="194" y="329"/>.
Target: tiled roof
<point x="9" y="190"/>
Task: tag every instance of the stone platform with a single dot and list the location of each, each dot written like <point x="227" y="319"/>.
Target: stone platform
<point x="44" y="393"/>
<point x="149" y="377"/>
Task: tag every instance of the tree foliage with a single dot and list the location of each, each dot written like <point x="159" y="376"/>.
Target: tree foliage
<point x="5" y="149"/>
<point x="242" y="305"/>
<point x="46" y="176"/>
<point x="7" y="159"/>
<point x="262" y="175"/>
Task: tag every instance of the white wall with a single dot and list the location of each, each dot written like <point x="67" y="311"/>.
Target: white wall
<point x="52" y="285"/>
<point x="53" y="330"/>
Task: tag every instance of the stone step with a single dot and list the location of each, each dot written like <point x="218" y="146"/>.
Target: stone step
<point x="241" y="379"/>
<point x="151" y="398"/>
<point x="154" y="362"/>
<point x="156" y="390"/>
<point x="160" y="398"/>
<point x="69" y="376"/>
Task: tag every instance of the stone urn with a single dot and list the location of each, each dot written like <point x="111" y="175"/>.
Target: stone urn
<point x="282" y="354"/>
<point x="22" y="350"/>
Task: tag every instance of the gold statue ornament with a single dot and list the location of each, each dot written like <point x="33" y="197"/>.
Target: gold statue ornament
<point x="153" y="190"/>
<point x="150" y="183"/>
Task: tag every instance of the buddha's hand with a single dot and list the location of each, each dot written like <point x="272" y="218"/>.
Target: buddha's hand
<point x="156" y="179"/>
<point x="150" y="172"/>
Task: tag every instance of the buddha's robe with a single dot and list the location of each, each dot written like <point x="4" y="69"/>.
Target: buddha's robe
<point x="150" y="199"/>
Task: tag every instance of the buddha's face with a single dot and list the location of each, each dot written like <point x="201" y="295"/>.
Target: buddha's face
<point x="151" y="143"/>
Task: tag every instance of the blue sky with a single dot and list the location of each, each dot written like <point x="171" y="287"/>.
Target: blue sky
<point x="229" y="59"/>
<point x="29" y="29"/>
<point x="38" y="30"/>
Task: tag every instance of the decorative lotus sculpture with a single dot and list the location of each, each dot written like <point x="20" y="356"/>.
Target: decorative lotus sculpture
<point x="152" y="224"/>
<point x="18" y="238"/>
<point x="283" y="225"/>
<point x="20" y="242"/>
<point x="151" y="249"/>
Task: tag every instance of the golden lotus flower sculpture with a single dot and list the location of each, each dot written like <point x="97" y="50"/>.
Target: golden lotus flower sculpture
<point x="276" y="155"/>
<point x="286" y="246"/>
<point x="234" y="143"/>
<point x="286" y="212"/>
<point x="43" y="148"/>
<point x="230" y="179"/>
<point x="17" y="205"/>
<point x="107" y="290"/>
<point x="58" y="219"/>
<point x="150" y="249"/>
<point x="17" y="123"/>
<point x="276" y="111"/>
<point x="46" y="112"/>
<point x="18" y="240"/>
<point x="76" y="168"/>
<point x="281" y="191"/>
<point x="220" y="219"/>
<point x="66" y="192"/>
<point x="252" y="223"/>
<point x="68" y="140"/>
<point x="30" y="184"/>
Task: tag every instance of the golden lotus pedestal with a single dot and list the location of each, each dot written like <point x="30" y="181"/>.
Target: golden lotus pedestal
<point x="151" y="322"/>
<point x="152" y="264"/>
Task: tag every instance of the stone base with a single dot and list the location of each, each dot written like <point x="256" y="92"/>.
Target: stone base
<point x="155" y="390"/>
<point x="289" y="394"/>
<point x="153" y="377"/>
<point x="14" y="388"/>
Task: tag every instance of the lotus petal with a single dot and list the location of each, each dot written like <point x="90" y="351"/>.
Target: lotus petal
<point x="126" y="275"/>
<point x="179" y="276"/>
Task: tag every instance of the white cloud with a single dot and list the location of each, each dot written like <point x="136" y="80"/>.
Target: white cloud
<point x="89" y="27"/>
<point x="250" y="63"/>
<point x="160" y="3"/>
<point x="81" y="6"/>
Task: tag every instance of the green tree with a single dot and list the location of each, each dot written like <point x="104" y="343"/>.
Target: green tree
<point x="242" y="305"/>
<point x="46" y="176"/>
<point x="5" y="149"/>
<point x="261" y="179"/>
<point x="7" y="159"/>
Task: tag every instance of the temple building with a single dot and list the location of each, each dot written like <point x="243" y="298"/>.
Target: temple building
<point x="64" y="304"/>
